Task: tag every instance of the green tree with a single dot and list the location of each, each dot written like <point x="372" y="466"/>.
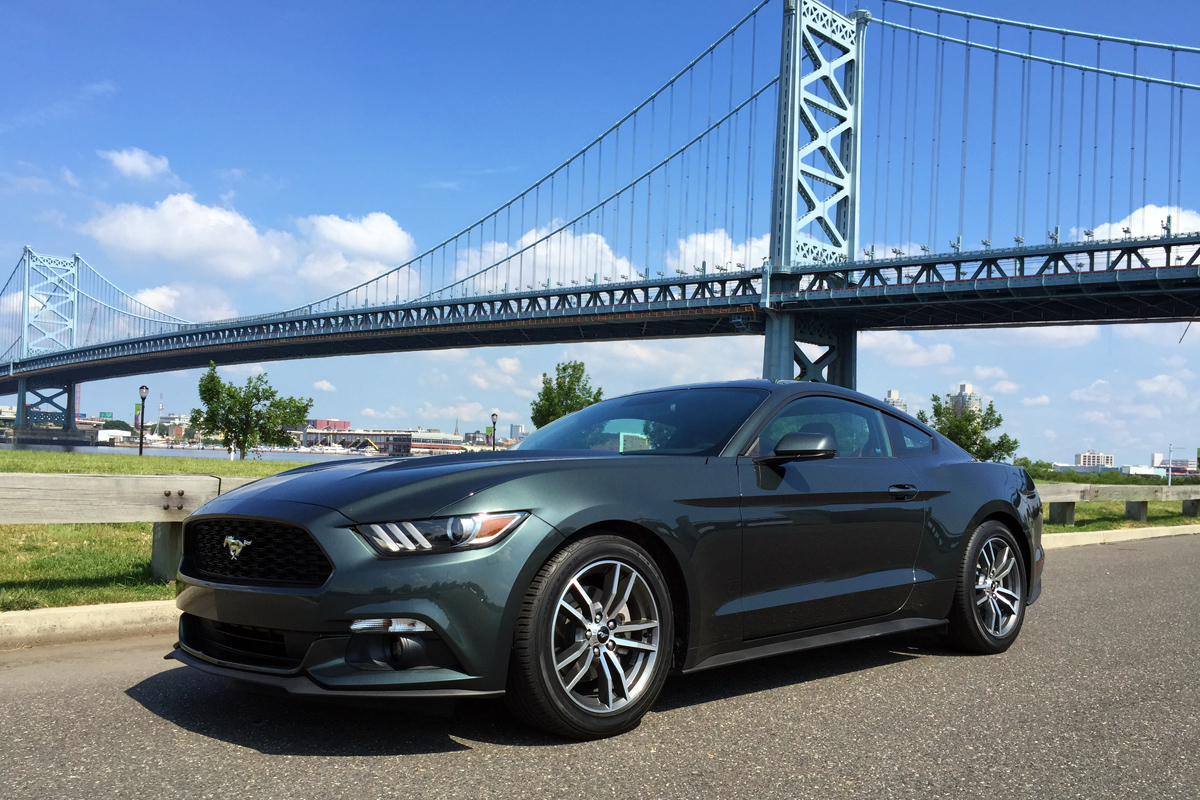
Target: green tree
<point x="969" y="429"/>
<point x="249" y="415"/>
<point x="569" y="391"/>
<point x="117" y="425"/>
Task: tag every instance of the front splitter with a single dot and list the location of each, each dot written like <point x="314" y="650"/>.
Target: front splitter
<point x="303" y="686"/>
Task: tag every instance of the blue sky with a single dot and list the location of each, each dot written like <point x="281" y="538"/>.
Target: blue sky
<point x="349" y="136"/>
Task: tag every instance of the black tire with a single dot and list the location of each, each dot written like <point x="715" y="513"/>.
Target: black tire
<point x="538" y="695"/>
<point x="981" y="619"/>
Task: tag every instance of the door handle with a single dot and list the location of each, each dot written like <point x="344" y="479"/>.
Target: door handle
<point x="902" y="491"/>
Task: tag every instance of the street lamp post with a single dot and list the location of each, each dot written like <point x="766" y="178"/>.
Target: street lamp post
<point x="1170" y="462"/>
<point x="142" y="392"/>
<point x="495" y="432"/>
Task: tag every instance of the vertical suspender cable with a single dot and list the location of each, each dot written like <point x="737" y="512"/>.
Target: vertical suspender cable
<point x="904" y="144"/>
<point x="649" y="191"/>
<point x="1025" y="135"/>
<point x="1145" y="155"/>
<point x="1079" y="172"/>
<point x="747" y="211"/>
<point x="1050" y="149"/>
<point x="666" y="222"/>
<point x="730" y="147"/>
<point x="962" y="177"/>
<point x="1171" y="142"/>
<point x="934" y="159"/>
<point x="1112" y="157"/>
<point x="912" y="186"/>
<point x="879" y="129"/>
<point x="995" y="110"/>
<point x="887" y="178"/>
<point x="1095" y="140"/>
<point x="1062" y="124"/>
<point x="1132" y="131"/>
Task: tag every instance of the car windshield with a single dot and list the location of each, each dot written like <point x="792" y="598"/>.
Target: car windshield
<point x="670" y="422"/>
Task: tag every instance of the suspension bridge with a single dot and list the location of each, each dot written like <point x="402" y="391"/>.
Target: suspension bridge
<point x="808" y="176"/>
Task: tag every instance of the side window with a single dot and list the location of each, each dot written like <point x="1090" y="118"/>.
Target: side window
<point x="857" y="430"/>
<point x="908" y="440"/>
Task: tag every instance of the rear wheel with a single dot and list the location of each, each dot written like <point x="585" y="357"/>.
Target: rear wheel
<point x="989" y="601"/>
<point x="594" y="640"/>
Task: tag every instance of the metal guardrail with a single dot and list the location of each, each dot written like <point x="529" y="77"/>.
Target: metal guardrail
<point x="165" y="500"/>
<point x="1062" y="498"/>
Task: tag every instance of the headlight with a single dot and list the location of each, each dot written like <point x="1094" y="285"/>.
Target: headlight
<point x="440" y="535"/>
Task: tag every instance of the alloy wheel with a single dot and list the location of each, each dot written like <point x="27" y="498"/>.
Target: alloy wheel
<point x="998" y="587"/>
<point x="605" y="636"/>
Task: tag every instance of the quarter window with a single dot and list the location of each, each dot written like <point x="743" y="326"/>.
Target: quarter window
<point x="908" y="440"/>
<point x="857" y="430"/>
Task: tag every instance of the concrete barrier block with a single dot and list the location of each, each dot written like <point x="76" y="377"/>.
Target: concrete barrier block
<point x="1062" y="514"/>
<point x="1191" y="508"/>
<point x="1138" y="510"/>
<point x="166" y="550"/>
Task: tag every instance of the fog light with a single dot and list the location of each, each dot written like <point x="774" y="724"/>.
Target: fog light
<point x="395" y="625"/>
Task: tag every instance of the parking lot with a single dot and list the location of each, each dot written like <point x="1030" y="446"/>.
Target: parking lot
<point x="1098" y="698"/>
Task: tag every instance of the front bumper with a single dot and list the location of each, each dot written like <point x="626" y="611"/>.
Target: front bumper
<point x="469" y="599"/>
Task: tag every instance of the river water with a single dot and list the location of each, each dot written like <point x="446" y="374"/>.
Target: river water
<point x="186" y="453"/>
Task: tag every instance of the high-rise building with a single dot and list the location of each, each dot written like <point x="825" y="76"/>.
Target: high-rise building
<point x="894" y="400"/>
<point x="967" y="397"/>
<point x="516" y="432"/>
<point x="1093" y="459"/>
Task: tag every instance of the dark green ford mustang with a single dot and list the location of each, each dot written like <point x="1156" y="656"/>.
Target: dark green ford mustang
<point x="677" y="529"/>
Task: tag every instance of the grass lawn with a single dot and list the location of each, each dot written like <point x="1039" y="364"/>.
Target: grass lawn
<point x="67" y="565"/>
<point x="123" y="464"/>
<point x="1110" y="516"/>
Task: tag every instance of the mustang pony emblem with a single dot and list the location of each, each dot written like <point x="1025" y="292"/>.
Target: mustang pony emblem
<point x="235" y="546"/>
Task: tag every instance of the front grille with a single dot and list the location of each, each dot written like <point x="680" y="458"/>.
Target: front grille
<point x="270" y="554"/>
<point x="242" y="644"/>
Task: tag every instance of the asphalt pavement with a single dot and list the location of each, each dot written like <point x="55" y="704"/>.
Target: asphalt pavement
<point x="1098" y="698"/>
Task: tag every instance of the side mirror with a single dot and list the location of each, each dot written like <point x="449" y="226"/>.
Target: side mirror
<point x="800" y="447"/>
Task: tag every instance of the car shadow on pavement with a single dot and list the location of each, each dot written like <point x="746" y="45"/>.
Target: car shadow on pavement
<point x="283" y="725"/>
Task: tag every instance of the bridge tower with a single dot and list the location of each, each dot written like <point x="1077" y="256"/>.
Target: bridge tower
<point x="49" y="315"/>
<point x="815" y="193"/>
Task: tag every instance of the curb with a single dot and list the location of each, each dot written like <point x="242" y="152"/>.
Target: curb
<point x="1054" y="541"/>
<point x="42" y="626"/>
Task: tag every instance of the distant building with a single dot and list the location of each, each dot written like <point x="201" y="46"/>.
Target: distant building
<point x="1159" y="472"/>
<point x="894" y="400"/>
<point x="1093" y="459"/>
<point x="174" y="419"/>
<point x="516" y="432"/>
<point x="1156" y="459"/>
<point x="330" y="424"/>
<point x="419" y="442"/>
<point x="967" y="397"/>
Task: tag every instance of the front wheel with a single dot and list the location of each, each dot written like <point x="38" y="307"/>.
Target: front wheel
<point x="594" y="640"/>
<point x="989" y="601"/>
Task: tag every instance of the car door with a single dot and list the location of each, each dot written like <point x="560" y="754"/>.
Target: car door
<point x="832" y="540"/>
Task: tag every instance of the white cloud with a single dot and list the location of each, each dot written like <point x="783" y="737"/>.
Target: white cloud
<point x="60" y="109"/>
<point x="240" y="370"/>
<point x="1096" y="417"/>
<point x="376" y="236"/>
<point x="1147" y="221"/>
<point x="324" y="386"/>
<point x="464" y="412"/>
<point x="1040" y="400"/>
<point x="902" y="350"/>
<point x="509" y="366"/>
<point x="136" y="163"/>
<point x="392" y="412"/>
<point x="206" y="238"/>
<point x="1049" y="434"/>
<point x="190" y="301"/>
<point x="1142" y="411"/>
<point x="1163" y="386"/>
<point x="1097" y="392"/>
<point x="69" y="178"/>
<point x="1005" y="387"/>
<point x="1056" y="336"/>
<point x="987" y="373"/>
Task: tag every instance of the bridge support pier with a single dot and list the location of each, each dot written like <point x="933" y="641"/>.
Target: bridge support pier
<point x="60" y="397"/>
<point x="783" y="358"/>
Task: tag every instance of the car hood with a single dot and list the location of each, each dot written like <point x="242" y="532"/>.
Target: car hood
<point x="375" y="489"/>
